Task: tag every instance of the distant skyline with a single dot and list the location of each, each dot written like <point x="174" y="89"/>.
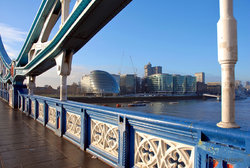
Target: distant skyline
<point x="180" y="36"/>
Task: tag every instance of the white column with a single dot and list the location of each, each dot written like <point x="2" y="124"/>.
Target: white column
<point x="63" y="63"/>
<point x="227" y="57"/>
<point x="63" y="87"/>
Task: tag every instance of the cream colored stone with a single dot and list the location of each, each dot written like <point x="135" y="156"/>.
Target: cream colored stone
<point x="227" y="57"/>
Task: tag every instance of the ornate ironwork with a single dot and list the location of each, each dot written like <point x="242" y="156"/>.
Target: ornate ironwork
<point x="73" y="125"/>
<point x="152" y="151"/>
<point x="52" y="116"/>
<point x="105" y="137"/>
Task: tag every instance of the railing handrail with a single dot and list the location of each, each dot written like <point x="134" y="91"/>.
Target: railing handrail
<point x="203" y="139"/>
<point x="190" y="124"/>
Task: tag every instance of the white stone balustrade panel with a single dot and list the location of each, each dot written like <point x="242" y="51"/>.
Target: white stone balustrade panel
<point x="52" y="116"/>
<point x="41" y="113"/>
<point x="73" y="125"/>
<point x="105" y="137"/>
<point x="33" y="108"/>
<point x="152" y="151"/>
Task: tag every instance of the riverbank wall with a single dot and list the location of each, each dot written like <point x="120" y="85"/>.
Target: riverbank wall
<point x="120" y="99"/>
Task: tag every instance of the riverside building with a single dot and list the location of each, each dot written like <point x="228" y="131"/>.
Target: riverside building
<point x="167" y="83"/>
<point x="200" y="77"/>
<point x="149" y="70"/>
<point x="128" y="84"/>
<point x="99" y="83"/>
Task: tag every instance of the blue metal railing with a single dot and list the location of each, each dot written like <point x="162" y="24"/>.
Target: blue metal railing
<point x="4" y="95"/>
<point x="132" y="139"/>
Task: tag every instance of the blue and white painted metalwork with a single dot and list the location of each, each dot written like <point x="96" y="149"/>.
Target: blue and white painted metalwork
<point x="39" y="53"/>
<point x="120" y="138"/>
<point x="132" y="139"/>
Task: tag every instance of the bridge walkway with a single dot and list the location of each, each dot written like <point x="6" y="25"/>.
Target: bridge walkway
<point x="25" y="143"/>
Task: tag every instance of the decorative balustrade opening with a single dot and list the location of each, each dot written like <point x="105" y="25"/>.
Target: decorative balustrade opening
<point x="132" y="139"/>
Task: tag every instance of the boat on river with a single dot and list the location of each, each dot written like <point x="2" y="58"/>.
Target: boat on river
<point x="136" y="104"/>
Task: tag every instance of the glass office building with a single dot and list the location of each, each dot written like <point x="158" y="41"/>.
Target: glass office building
<point x="190" y="84"/>
<point x="160" y="83"/>
<point x="166" y="83"/>
<point x="99" y="82"/>
<point x="128" y="84"/>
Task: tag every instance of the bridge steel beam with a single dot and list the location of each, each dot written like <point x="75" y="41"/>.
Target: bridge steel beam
<point x="227" y="57"/>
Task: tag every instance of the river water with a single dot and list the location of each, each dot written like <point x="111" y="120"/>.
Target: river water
<point x="203" y="110"/>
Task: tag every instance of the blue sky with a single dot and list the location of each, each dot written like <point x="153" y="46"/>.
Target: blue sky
<point x="179" y="35"/>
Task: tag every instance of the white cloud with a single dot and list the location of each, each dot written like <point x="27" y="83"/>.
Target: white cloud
<point x="50" y="77"/>
<point x="13" y="39"/>
<point x="11" y="52"/>
<point x="12" y="34"/>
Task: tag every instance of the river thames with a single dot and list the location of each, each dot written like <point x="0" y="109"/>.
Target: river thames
<point x="198" y="109"/>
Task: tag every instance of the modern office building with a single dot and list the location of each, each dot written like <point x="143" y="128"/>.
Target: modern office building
<point x="179" y="84"/>
<point x="190" y="86"/>
<point x="99" y="83"/>
<point x="166" y="83"/>
<point x="149" y="70"/>
<point x="200" y="77"/>
<point x="160" y="83"/>
<point x="128" y="84"/>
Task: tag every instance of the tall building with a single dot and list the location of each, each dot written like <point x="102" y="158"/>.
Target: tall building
<point x="128" y="84"/>
<point x="157" y="70"/>
<point x="200" y="77"/>
<point x="149" y="70"/>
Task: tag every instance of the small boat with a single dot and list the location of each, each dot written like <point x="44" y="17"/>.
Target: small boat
<point x="136" y="104"/>
<point x="140" y="102"/>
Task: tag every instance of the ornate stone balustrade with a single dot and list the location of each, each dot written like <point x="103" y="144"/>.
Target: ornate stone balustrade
<point x="73" y="124"/>
<point x="52" y="116"/>
<point x="105" y="137"/>
<point x="41" y="112"/>
<point x="131" y="139"/>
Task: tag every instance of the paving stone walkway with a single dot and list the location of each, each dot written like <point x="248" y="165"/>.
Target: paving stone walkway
<point x="25" y="143"/>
